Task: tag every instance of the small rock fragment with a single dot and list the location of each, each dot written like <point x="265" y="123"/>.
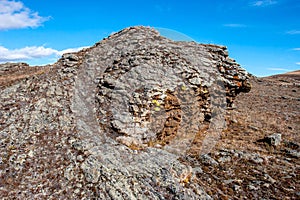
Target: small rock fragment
<point x="273" y="140"/>
<point x="206" y="159"/>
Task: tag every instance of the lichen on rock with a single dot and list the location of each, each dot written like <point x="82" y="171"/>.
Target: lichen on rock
<point x="112" y="121"/>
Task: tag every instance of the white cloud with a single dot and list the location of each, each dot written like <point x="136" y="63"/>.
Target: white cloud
<point x="235" y="25"/>
<point x="14" y="15"/>
<point x="293" y="32"/>
<point x="298" y="63"/>
<point x="33" y="52"/>
<point x="296" y="49"/>
<point x="70" y="50"/>
<point x="25" y="53"/>
<point x="278" y="69"/>
<point x="263" y="3"/>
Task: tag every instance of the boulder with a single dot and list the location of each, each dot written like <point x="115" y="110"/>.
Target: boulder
<point x="112" y="121"/>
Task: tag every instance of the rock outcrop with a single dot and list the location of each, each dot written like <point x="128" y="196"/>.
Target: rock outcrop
<point x="112" y="121"/>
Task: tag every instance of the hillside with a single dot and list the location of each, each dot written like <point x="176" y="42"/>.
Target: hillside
<point x="249" y="164"/>
<point x="138" y="116"/>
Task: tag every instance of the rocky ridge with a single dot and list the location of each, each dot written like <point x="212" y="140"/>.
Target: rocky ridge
<point x="115" y="121"/>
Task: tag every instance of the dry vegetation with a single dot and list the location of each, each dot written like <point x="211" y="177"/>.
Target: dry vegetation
<point x="14" y="73"/>
<point x="247" y="167"/>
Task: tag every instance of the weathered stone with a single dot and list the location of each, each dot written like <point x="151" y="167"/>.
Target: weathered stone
<point x="274" y="139"/>
<point x="268" y="178"/>
<point x="70" y="57"/>
<point x="294" y="153"/>
<point x="207" y="160"/>
<point x="112" y="121"/>
<point x="224" y="159"/>
<point x="252" y="187"/>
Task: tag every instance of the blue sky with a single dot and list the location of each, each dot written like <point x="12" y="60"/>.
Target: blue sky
<point x="262" y="35"/>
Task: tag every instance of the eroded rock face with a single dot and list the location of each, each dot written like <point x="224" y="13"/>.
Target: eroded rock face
<point x="112" y="121"/>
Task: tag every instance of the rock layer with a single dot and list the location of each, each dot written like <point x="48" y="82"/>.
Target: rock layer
<point x="112" y="121"/>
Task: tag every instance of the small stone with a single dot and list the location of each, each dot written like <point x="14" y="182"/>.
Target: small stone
<point x="30" y="153"/>
<point x="256" y="159"/>
<point x="158" y="146"/>
<point x="252" y="187"/>
<point x="195" y="81"/>
<point x="253" y="128"/>
<point x="228" y="181"/>
<point x="69" y="173"/>
<point x="197" y="170"/>
<point x="80" y="158"/>
<point x="294" y="153"/>
<point x="70" y="57"/>
<point x="129" y="141"/>
<point x="224" y="159"/>
<point x="91" y="169"/>
<point x="233" y="121"/>
<point x="236" y="187"/>
<point x="206" y="159"/>
<point x="134" y="108"/>
<point x="273" y="139"/>
<point x="77" y="191"/>
<point x="270" y="179"/>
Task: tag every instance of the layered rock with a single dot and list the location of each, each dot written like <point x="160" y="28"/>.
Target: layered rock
<point x="112" y="121"/>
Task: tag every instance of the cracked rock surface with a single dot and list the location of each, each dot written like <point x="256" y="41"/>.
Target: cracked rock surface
<point x="113" y="121"/>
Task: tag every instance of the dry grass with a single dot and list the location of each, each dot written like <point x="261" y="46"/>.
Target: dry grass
<point x="273" y="106"/>
<point x="16" y="74"/>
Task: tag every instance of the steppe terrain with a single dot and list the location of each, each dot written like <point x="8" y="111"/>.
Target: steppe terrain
<point x="249" y="166"/>
<point x="65" y="135"/>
